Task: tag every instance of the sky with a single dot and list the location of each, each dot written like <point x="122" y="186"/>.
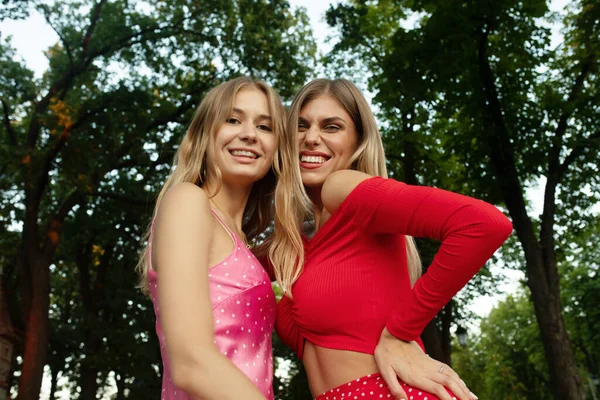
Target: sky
<point x="31" y="37"/>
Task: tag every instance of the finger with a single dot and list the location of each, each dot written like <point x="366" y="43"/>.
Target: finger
<point x="436" y="389"/>
<point x="391" y="379"/>
<point x="452" y="381"/>
<point x="456" y="387"/>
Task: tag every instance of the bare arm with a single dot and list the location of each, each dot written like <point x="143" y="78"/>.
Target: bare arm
<point x="182" y="238"/>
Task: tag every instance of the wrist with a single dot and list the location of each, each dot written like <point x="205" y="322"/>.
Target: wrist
<point x="387" y="335"/>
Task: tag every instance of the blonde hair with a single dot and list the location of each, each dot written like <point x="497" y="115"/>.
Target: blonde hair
<point x="292" y="204"/>
<point x="190" y="163"/>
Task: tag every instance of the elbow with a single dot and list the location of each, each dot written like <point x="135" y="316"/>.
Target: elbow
<point x="501" y="226"/>
<point x="506" y="228"/>
<point x="181" y="374"/>
<point x="187" y="370"/>
<point x="486" y="224"/>
<point x="497" y="227"/>
<point x="184" y="374"/>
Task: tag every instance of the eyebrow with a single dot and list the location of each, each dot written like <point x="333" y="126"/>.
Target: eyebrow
<point x="329" y="120"/>
<point x="241" y="112"/>
<point x="332" y="119"/>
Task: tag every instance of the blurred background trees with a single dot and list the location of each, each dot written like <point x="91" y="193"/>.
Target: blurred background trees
<point x="472" y="97"/>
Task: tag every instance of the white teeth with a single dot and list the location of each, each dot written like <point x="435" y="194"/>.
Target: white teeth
<point x="313" y="159"/>
<point x="243" y="153"/>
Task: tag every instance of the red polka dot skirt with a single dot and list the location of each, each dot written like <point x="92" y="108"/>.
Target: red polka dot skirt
<point x="373" y="387"/>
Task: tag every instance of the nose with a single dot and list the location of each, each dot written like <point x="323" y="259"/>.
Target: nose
<point x="312" y="137"/>
<point x="248" y="133"/>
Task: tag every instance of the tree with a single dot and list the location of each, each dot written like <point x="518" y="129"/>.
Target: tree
<point x="506" y="360"/>
<point x="122" y="79"/>
<point x="484" y="86"/>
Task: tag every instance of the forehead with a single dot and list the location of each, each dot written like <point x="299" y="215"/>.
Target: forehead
<point x="251" y="100"/>
<point x="324" y="106"/>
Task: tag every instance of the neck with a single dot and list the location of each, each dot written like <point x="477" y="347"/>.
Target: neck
<point x="231" y="200"/>
<point x="314" y="193"/>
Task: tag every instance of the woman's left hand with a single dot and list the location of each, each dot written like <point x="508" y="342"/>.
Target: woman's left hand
<point x="397" y="359"/>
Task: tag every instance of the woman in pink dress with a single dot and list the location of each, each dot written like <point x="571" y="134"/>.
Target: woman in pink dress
<point x="214" y="305"/>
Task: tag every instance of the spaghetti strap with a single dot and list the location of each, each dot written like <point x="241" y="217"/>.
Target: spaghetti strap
<point x="237" y="241"/>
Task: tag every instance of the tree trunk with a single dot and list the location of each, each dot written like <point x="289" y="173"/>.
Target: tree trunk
<point x="542" y="273"/>
<point x="120" y="386"/>
<point x="432" y="339"/>
<point x="565" y="382"/>
<point x="88" y="381"/>
<point x="92" y="299"/>
<point x="438" y="340"/>
<point x="446" y="316"/>
<point x="53" y="382"/>
<point x="36" y="334"/>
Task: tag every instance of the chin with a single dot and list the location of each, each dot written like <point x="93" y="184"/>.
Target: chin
<point x="313" y="181"/>
<point x="243" y="177"/>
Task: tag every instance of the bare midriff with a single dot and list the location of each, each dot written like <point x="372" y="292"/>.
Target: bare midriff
<point x="329" y="368"/>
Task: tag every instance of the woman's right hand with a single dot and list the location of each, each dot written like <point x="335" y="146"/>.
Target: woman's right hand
<point x="397" y="359"/>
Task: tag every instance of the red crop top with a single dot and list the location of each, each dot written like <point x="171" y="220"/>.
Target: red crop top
<point x="355" y="280"/>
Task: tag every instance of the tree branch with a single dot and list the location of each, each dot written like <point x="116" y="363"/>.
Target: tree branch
<point x="60" y="36"/>
<point x="94" y="17"/>
<point x="135" y="38"/>
<point x="119" y="198"/>
<point x="42" y="181"/>
<point x="41" y="106"/>
<point x="576" y="152"/>
<point x="55" y="226"/>
<point x="11" y="132"/>
<point x="502" y="158"/>
<point x="556" y="171"/>
<point x="553" y="163"/>
<point x="82" y="262"/>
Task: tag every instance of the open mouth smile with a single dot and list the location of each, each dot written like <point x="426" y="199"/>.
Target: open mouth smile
<point x="244" y="153"/>
<point x="313" y="159"/>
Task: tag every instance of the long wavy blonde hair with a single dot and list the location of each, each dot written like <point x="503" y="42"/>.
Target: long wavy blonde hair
<point x="190" y="163"/>
<point x="292" y="204"/>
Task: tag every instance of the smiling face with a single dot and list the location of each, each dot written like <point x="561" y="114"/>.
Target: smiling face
<point x="328" y="139"/>
<point x="244" y="144"/>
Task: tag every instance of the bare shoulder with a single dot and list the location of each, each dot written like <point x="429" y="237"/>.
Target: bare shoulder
<point x="338" y="186"/>
<point x="184" y="204"/>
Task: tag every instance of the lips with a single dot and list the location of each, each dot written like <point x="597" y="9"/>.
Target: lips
<point x="313" y="159"/>
<point x="244" y="153"/>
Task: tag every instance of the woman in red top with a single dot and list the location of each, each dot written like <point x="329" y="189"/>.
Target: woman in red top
<point x="355" y="303"/>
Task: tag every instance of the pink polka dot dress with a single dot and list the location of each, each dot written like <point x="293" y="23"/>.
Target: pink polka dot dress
<point x="244" y="309"/>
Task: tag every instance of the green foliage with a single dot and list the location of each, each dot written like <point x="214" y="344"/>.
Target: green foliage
<point x="507" y="356"/>
<point x="14" y="9"/>
<point x="473" y="97"/>
<point x="507" y="359"/>
<point x="85" y="149"/>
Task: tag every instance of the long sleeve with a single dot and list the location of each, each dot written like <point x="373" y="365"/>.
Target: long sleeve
<point x="470" y="231"/>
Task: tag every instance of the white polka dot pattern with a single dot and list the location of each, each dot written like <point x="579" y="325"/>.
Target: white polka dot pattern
<point x="244" y="309"/>
<point x="373" y="387"/>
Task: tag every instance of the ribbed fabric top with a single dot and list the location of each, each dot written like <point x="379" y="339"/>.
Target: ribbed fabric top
<point x="355" y="280"/>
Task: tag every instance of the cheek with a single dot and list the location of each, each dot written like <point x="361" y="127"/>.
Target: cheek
<point x="270" y="145"/>
<point x="351" y="142"/>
